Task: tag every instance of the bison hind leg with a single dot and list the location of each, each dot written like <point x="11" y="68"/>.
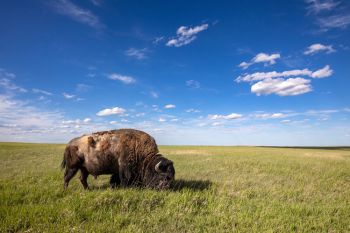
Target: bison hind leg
<point x="83" y="177"/>
<point x="68" y="175"/>
<point x="114" y="181"/>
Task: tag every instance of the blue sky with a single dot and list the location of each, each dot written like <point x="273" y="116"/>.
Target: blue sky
<point x="187" y="72"/>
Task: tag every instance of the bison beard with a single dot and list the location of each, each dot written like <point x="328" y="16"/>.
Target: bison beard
<point x="131" y="156"/>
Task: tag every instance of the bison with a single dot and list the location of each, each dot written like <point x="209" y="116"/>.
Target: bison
<point x="130" y="156"/>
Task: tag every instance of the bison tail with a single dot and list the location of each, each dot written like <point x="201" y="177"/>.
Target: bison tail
<point x="65" y="155"/>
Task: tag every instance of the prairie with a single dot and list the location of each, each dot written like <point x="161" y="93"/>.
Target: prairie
<point x="217" y="189"/>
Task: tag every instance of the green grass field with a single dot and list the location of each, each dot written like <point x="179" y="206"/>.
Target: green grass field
<point x="218" y="189"/>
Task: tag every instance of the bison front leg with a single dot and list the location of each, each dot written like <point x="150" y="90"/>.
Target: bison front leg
<point x="114" y="181"/>
<point x="68" y="175"/>
<point x="125" y="177"/>
<point x="83" y="177"/>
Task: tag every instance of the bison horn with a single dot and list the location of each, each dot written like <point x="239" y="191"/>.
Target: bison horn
<point x="157" y="167"/>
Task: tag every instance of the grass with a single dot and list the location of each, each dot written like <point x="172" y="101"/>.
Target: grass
<point x="218" y="189"/>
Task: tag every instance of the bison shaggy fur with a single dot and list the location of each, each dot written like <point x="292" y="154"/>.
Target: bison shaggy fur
<point x="130" y="156"/>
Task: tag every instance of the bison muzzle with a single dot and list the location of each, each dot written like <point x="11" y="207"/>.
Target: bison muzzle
<point x="131" y="156"/>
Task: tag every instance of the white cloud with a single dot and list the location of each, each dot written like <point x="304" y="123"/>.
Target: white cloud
<point x="261" y="58"/>
<point x="39" y="91"/>
<point x="185" y="35"/>
<point x="315" y="48"/>
<point x="21" y="121"/>
<point x="77" y="122"/>
<point x="67" y="8"/>
<point x="216" y="123"/>
<point x="123" y="78"/>
<point x="192" y="110"/>
<point x="87" y="120"/>
<point x="270" y="115"/>
<point x="281" y="87"/>
<point x="193" y="84"/>
<point x="257" y="76"/>
<point x="322" y="73"/>
<point x="231" y="116"/>
<point x="161" y="119"/>
<point x="68" y="96"/>
<point x="139" y="54"/>
<point x="285" y="121"/>
<point x="111" y="111"/>
<point x="168" y="106"/>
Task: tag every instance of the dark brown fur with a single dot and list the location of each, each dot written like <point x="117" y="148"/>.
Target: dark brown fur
<point x="131" y="156"/>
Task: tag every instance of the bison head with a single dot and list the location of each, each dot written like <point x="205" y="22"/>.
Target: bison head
<point x="161" y="174"/>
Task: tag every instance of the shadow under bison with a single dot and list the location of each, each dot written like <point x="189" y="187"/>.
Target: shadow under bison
<point x="177" y="185"/>
<point x="194" y="185"/>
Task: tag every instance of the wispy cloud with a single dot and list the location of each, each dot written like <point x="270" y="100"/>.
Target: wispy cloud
<point x="231" y="116"/>
<point x="6" y="82"/>
<point x="81" y="87"/>
<point x="321" y="73"/>
<point x="317" y="6"/>
<point x="193" y="84"/>
<point x="192" y="110"/>
<point x="161" y="119"/>
<point x="315" y="48"/>
<point x="154" y="94"/>
<point x="270" y="115"/>
<point x="122" y="78"/>
<point x="79" y="14"/>
<point x="139" y="54"/>
<point x="261" y="58"/>
<point x="23" y="121"/>
<point x="68" y="96"/>
<point x="341" y="21"/>
<point x="185" y="35"/>
<point x="39" y="91"/>
<point x="18" y="119"/>
<point x="111" y="111"/>
<point x="329" y="14"/>
<point x="10" y="86"/>
<point x="77" y="121"/>
<point x="158" y="39"/>
<point x="96" y="2"/>
<point x="169" y="106"/>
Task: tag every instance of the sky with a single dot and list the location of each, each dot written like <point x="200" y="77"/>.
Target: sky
<point x="273" y="73"/>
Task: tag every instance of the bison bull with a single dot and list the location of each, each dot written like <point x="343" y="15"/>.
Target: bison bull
<point x="131" y="156"/>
